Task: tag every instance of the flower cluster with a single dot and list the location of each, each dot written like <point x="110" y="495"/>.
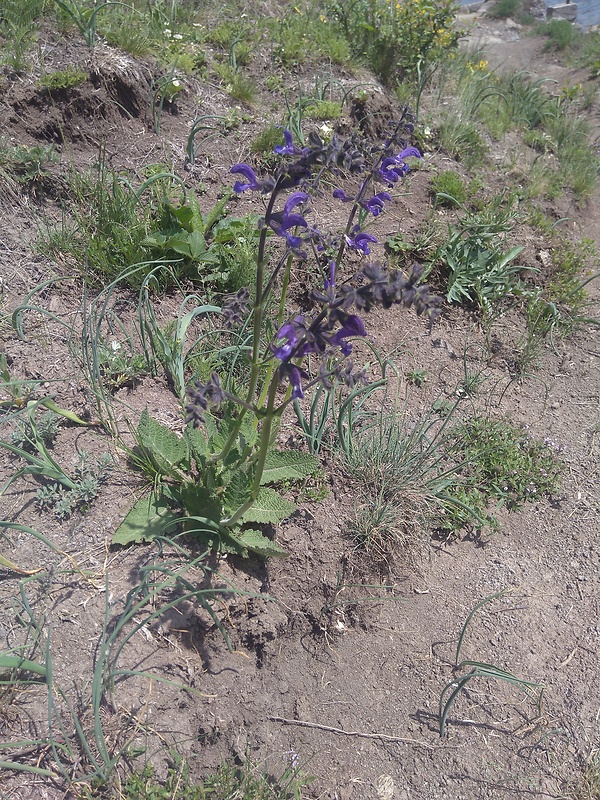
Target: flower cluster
<point x="202" y="397"/>
<point x="325" y="334"/>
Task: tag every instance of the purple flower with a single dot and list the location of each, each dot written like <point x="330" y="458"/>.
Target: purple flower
<point x="289" y="148"/>
<point x="251" y="180"/>
<point x="361" y="242"/>
<point x="340" y="194"/>
<point x="282" y="221"/>
<point x="294" y="374"/>
<point x="394" y="168"/>
<point x="293" y="332"/>
<point x="351" y="326"/>
<point x="376" y="204"/>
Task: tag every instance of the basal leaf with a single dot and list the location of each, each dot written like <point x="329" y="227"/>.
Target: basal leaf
<point x="197" y="443"/>
<point x="147" y="519"/>
<point x="258" y="543"/>
<point x="269" y="507"/>
<point x="237" y="489"/>
<point x="285" y="465"/>
<point x="197" y="244"/>
<point x="164" y="447"/>
<point x="198" y="501"/>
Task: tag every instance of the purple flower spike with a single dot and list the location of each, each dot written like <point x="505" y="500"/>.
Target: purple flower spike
<point x="330" y="281"/>
<point x="289" y="148"/>
<point x="361" y="242"/>
<point x="291" y="331"/>
<point x="377" y="203"/>
<point x="392" y="169"/>
<point x="283" y="221"/>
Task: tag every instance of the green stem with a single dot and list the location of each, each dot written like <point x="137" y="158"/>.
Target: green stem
<point x="265" y="440"/>
<point x="256" y="331"/>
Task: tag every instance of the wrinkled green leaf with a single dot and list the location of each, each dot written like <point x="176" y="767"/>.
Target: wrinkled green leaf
<point x="164" y="447"/>
<point x="198" y="501"/>
<point x="288" y="465"/>
<point x="269" y="507"/>
<point x="237" y="490"/>
<point x="197" y="443"/>
<point x="258" y="543"/>
<point x="147" y="519"/>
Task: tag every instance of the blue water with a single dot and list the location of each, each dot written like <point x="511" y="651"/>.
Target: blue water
<point x="588" y="11"/>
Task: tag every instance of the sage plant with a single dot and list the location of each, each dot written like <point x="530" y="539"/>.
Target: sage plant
<point x="312" y="348"/>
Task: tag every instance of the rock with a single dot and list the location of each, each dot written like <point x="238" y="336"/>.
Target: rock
<point x="511" y="25"/>
<point x="566" y="11"/>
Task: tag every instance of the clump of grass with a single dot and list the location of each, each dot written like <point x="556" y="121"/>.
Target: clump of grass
<point x="449" y="184"/>
<point x="62" y="79"/>
<point x="505" y="463"/>
<point x="249" y="782"/>
<point x="323" y="110"/>
<point x="561" y="34"/>
<point x="266" y="141"/>
<point x="403" y="475"/>
<point x="504" y="8"/>
<point x="306" y="35"/>
<point x="461" y="139"/>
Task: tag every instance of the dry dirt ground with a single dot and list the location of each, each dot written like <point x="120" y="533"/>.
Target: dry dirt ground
<point x="334" y="663"/>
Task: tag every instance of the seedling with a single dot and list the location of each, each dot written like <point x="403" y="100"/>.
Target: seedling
<point x="479" y="669"/>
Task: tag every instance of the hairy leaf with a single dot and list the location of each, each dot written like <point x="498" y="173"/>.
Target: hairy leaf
<point x="147" y="519"/>
<point x="258" y="543"/>
<point x="284" y="465"/>
<point x="269" y="507"/>
<point x="164" y="447"/>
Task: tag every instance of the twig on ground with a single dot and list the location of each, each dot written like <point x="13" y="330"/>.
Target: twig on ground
<point x="383" y="736"/>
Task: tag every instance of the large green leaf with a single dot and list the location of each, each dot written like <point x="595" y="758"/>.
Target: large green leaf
<point x="198" y="501"/>
<point x="288" y="465"/>
<point x="258" y="543"/>
<point x="164" y="447"/>
<point x="237" y="489"/>
<point x="147" y="519"/>
<point x="269" y="507"/>
<point x="198" y="444"/>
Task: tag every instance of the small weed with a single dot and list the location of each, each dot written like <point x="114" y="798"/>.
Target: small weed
<point x="118" y="367"/>
<point x="561" y="34"/>
<point x="26" y="166"/>
<point x="62" y="79"/>
<point x="274" y="83"/>
<point x="228" y="783"/>
<point x="448" y="189"/>
<point x="47" y="429"/>
<point x="323" y="110"/>
<point x="89" y="476"/>
<point x="507" y="464"/>
<point x="417" y="377"/>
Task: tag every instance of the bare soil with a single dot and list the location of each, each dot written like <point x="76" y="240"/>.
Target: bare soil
<point x="336" y="662"/>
